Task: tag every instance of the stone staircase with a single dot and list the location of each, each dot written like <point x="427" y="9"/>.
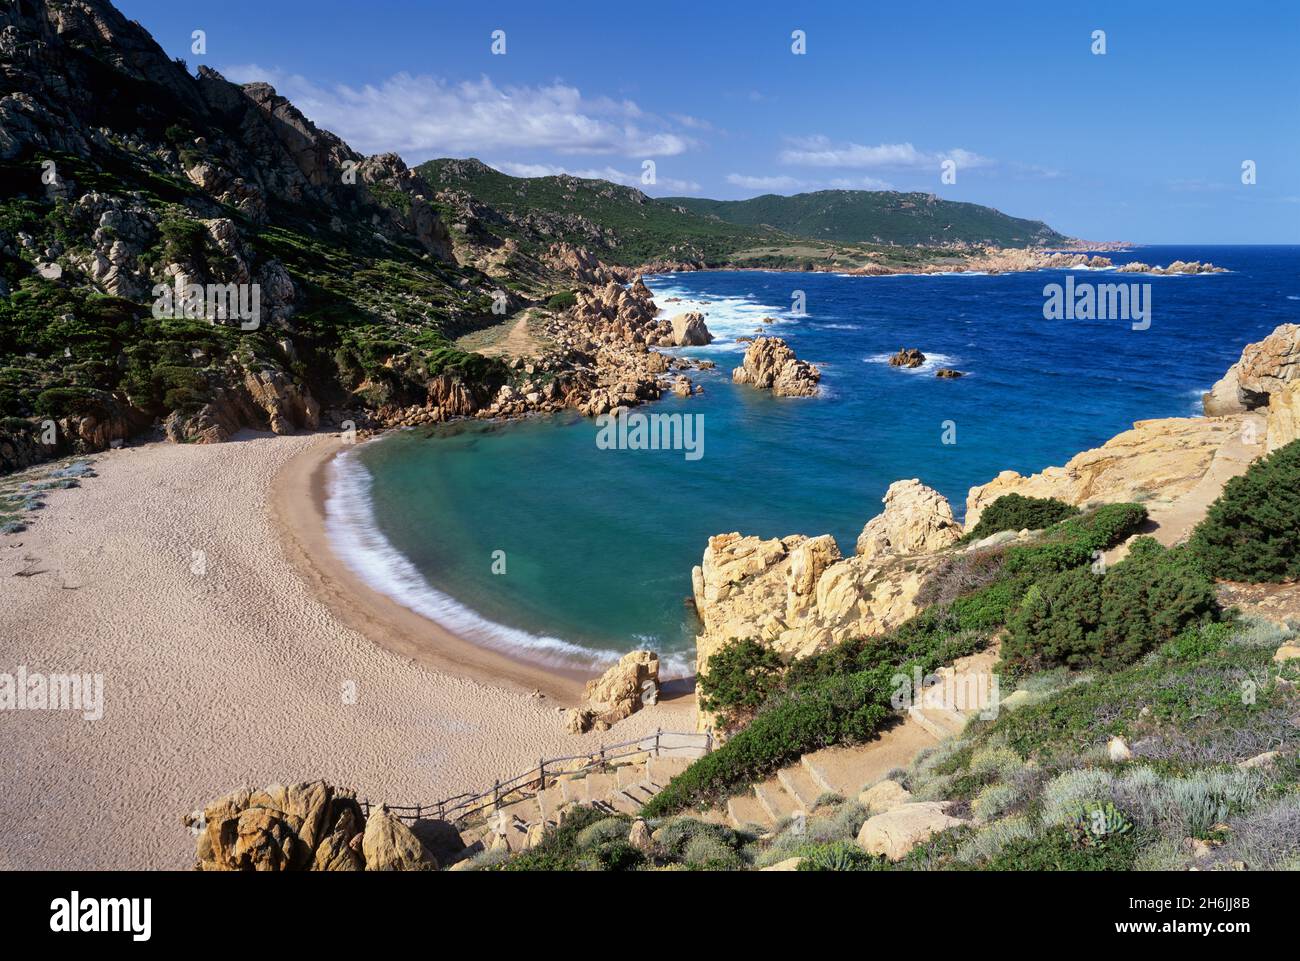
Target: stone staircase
<point x="847" y="770"/>
<point x="621" y="786"/>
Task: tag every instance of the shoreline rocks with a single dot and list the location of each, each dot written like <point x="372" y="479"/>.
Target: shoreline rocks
<point x="770" y="364"/>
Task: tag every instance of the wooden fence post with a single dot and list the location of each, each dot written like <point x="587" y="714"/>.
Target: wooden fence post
<point x="541" y="773"/>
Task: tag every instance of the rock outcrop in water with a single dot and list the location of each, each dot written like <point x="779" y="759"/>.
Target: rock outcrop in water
<point x="770" y="364"/>
<point x="1177" y="267"/>
<point x="907" y="357"/>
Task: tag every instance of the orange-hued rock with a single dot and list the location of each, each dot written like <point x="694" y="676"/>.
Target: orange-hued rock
<point x="770" y="364"/>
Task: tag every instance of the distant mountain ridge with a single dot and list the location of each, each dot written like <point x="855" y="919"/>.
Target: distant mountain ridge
<point x="878" y="216"/>
<point x="635" y="227"/>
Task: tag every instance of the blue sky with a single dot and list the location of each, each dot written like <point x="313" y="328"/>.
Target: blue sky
<point x="1144" y="143"/>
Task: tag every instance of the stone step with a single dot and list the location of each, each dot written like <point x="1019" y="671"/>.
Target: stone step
<point x="575" y="790"/>
<point x="678" y="745"/>
<point x="551" y="801"/>
<point x="775" y="800"/>
<point x="847" y="770"/>
<point x="642" y="793"/>
<point x="745" y="809"/>
<point x="626" y="775"/>
<point x="941" y="722"/>
<point x="600" y="785"/>
<point x="624" y="802"/>
<point x="799" y="784"/>
<point x="664" y="768"/>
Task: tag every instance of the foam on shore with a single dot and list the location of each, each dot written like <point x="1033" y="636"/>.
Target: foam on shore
<point x="355" y="537"/>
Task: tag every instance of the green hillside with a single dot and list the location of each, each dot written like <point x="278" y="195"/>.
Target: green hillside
<point x="882" y="217"/>
<point x="621" y="224"/>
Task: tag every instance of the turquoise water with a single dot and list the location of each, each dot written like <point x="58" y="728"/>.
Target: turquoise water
<point x="597" y="545"/>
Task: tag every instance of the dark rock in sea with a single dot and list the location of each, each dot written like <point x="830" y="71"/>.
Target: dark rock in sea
<point x="907" y="357"/>
<point x="949" y="373"/>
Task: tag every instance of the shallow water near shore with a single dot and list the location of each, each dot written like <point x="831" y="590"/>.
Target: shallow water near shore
<point x="531" y="538"/>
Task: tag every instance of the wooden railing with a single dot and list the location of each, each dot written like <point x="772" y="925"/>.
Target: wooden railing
<point x="462" y="806"/>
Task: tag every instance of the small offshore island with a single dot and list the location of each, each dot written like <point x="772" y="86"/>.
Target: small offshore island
<point x="174" y="521"/>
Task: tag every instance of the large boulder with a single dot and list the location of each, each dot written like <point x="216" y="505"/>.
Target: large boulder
<point x="389" y="845"/>
<point x="277" y="829"/>
<point x="689" y="330"/>
<point x="770" y="364"/>
<point x="618" y="693"/>
<point x="895" y="832"/>
<point x="916" y="520"/>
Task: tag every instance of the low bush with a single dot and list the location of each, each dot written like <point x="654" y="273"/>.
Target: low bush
<point x="741" y="675"/>
<point x="563" y="300"/>
<point x="1082" y="619"/>
<point x="840" y="856"/>
<point x="834" y="710"/>
<point x="1015" y="512"/>
<point x="1252" y="532"/>
<point x="1059" y="850"/>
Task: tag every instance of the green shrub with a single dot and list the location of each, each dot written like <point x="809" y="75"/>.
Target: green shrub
<point x="740" y="677"/>
<point x="1081" y="619"/>
<point x="563" y="300"/>
<point x="1015" y="512"/>
<point x="1059" y="850"/>
<point x="706" y="852"/>
<point x="558" y="850"/>
<point x="835" y="710"/>
<point x="1252" y="532"/>
<point x="1094" y="823"/>
<point x="840" y="856"/>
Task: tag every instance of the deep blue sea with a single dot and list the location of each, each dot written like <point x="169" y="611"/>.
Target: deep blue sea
<point x="529" y="537"/>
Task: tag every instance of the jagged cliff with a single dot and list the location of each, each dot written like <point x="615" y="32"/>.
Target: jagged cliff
<point x="135" y="195"/>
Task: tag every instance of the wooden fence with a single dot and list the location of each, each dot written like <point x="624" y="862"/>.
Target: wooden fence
<point x="461" y="806"/>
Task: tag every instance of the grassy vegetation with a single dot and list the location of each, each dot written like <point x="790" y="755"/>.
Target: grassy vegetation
<point x="880" y="216"/>
<point x="372" y="321"/>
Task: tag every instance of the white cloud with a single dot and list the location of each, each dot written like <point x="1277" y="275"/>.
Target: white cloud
<point x="422" y="116"/>
<point x="821" y="152"/>
<point x="861" y="183"/>
<point x="611" y="174"/>
<point x="764" y="183"/>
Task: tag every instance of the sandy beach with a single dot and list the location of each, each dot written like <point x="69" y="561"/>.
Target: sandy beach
<point x="198" y="581"/>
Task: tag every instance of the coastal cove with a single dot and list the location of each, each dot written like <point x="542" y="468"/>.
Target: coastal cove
<point x="530" y="539"/>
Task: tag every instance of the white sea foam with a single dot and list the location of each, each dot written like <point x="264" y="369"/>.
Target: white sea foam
<point x="357" y="540"/>
<point x="727" y="317"/>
